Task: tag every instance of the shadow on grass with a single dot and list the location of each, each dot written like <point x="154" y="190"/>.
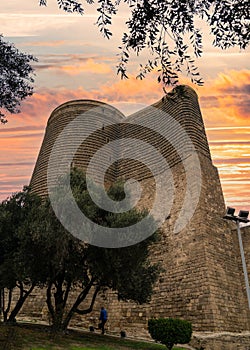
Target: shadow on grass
<point x="39" y="337"/>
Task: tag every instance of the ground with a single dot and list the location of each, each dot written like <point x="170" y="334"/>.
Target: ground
<point x="38" y="337"/>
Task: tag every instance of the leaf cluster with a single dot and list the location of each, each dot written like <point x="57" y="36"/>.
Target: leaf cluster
<point x="68" y="5"/>
<point x="125" y="270"/>
<point x="37" y="250"/>
<point x="168" y="30"/>
<point x="16" y="215"/>
<point x="16" y="77"/>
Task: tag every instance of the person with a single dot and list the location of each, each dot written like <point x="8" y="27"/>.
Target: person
<point x="103" y="318"/>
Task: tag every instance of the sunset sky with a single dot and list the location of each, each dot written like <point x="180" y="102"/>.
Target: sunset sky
<point x="76" y="62"/>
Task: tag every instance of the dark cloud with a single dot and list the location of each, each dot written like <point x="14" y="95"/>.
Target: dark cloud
<point x="229" y="161"/>
<point x="12" y="183"/>
<point x="22" y="128"/>
<point x="209" y="101"/>
<point x="49" y="61"/>
<point x="17" y="136"/>
<point x="17" y="164"/>
<point x="242" y="89"/>
<point x="222" y="143"/>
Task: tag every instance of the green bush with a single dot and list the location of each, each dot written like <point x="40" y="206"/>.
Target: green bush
<point x="170" y="331"/>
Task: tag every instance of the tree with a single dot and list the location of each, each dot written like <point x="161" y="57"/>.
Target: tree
<point x="71" y="265"/>
<point x="170" y="331"/>
<point x="16" y="78"/>
<point x="167" y="28"/>
<point x="17" y="270"/>
<point x="36" y="250"/>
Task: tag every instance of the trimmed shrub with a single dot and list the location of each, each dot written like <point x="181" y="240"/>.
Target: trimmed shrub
<point x="170" y="331"/>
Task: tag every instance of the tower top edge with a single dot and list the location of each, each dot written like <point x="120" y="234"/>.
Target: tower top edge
<point x="176" y="92"/>
<point x="182" y="88"/>
<point x="81" y="102"/>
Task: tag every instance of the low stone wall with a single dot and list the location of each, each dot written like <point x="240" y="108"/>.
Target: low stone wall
<point x="221" y="341"/>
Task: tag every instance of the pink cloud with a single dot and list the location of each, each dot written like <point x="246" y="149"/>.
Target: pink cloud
<point x="221" y="103"/>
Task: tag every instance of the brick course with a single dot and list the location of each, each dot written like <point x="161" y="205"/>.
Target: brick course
<point x="202" y="279"/>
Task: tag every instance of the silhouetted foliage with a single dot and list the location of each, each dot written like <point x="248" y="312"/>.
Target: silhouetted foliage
<point x="63" y="263"/>
<point x="167" y="28"/>
<point x="19" y="268"/>
<point x="72" y="263"/>
<point x="16" y="78"/>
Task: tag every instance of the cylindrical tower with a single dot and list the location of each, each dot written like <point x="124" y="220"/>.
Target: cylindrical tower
<point x="60" y="118"/>
<point x="201" y="279"/>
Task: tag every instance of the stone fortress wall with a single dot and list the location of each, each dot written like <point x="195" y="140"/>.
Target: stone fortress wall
<point x="202" y="280"/>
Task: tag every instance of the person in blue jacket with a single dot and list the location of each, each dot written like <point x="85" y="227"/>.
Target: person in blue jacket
<point x="103" y="318"/>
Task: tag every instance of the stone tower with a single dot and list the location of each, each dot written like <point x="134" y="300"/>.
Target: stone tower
<point x="202" y="278"/>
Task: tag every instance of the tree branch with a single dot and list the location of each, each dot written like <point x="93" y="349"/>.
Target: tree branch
<point x="48" y="300"/>
<point x="66" y="294"/>
<point x="78" y="301"/>
<point x="21" y="301"/>
<point x="87" y="311"/>
<point x="6" y="311"/>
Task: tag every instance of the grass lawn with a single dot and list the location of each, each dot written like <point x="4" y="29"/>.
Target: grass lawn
<point x="38" y="337"/>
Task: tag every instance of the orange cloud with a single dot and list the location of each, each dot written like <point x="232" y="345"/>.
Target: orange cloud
<point x="145" y="91"/>
<point x="20" y="144"/>
<point x="51" y="43"/>
<point x="232" y="80"/>
<point x="225" y="100"/>
<point x="77" y="66"/>
<point x="225" y="108"/>
<point x="227" y="129"/>
<point x="89" y="66"/>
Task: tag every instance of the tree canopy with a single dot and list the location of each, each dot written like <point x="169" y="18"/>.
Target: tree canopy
<point x="37" y="250"/>
<point x="169" y="30"/>
<point x="17" y="268"/>
<point x="72" y="263"/>
<point x="16" y="78"/>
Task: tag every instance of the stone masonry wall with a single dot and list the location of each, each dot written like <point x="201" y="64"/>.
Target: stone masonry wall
<point x="221" y="341"/>
<point x="202" y="279"/>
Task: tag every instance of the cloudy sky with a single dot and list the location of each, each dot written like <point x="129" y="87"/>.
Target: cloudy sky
<point x="75" y="62"/>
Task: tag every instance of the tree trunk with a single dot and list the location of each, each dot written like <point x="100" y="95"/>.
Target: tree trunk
<point x="59" y="323"/>
<point x="23" y="296"/>
<point x="170" y="346"/>
<point x="74" y="309"/>
<point x="59" y="308"/>
<point x="49" y="302"/>
<point x="6" y="311"/>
